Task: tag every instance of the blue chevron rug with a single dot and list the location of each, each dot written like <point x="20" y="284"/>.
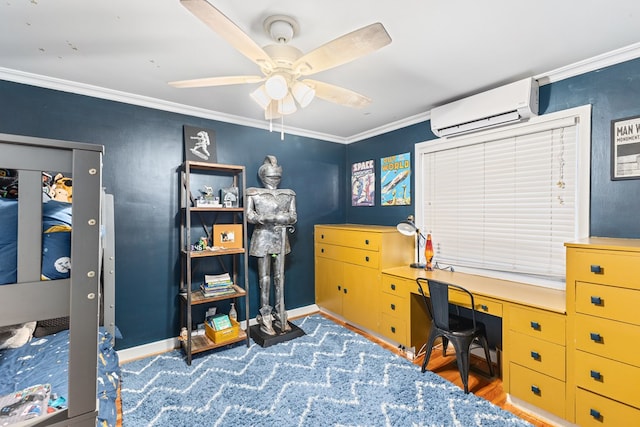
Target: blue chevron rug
<point x="328" y="377"/>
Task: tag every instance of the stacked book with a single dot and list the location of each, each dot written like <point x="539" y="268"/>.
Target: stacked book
<point x="217" y="285"/>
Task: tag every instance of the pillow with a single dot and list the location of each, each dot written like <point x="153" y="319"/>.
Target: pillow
<point x="14" y="336"/>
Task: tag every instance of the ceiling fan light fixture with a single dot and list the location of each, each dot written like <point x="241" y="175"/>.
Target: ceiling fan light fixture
<point x="261" y="97"/>
<point x="276" y="86"/>
<point x="271" y="111"/>
<point x="303" y="93"/>
<point x="287" y="105"/>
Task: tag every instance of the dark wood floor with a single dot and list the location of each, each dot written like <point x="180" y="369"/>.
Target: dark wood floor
<point x="480" y="385"/>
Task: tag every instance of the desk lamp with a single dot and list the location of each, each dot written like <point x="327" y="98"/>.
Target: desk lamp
<point x="408" y="228"/>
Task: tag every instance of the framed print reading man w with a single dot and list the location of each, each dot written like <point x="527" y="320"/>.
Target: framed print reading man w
<point x="625" y="148"/>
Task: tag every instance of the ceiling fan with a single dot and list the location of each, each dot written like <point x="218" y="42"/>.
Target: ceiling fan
<point x="283" y="66"/>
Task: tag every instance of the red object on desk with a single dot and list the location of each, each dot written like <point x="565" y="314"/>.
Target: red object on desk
<point x="428" y="253"/>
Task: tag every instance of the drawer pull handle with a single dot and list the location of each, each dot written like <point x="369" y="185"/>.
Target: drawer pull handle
<point x="596" y="375"/>
<point x="393" y="307"/>
<point x="393" y="329"/>
<point x="366" y="242"/>
<point x="345" y="290"/>
<point x="596" y="269"/>
<point x="535" y="389"/>
<point x="393" y="287"/>
<point x="535" y="325"/>
<point x="595" y="414"/>
<point x="366" y="258"/>
<point x="339" y="287"/>
<point x="596" y="300"/>
<point x="322" y="236"/>
<point x="595" y="337"/>
<point x="322" y="250"/>
<point x="484" y="307"/>
<point x="535" y="355"/>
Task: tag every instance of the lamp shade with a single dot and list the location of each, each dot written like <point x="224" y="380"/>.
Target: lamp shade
<point x="287" y="105"/>
<point x="261" y="97"/>
<point x="303" y="93"/>
<point x="276" y="86"/>
<point x="407" y="227"/>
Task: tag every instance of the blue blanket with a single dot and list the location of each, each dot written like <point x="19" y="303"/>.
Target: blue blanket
<point x="45" y="361"/>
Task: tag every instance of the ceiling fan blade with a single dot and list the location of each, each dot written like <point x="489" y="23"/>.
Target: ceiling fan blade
<point x="228" y="30"/>
<point x="343" y="49"/>
<point x="337" y="94"/>
<point x="216" y="81"/>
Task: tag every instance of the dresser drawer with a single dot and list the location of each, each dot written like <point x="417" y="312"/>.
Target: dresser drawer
<point x="394" y="305"/>
<point x="537" y="389"/>
<point x="483" y="305"/>
<point x="395" y="286"/>
<point x="538" y="355"/>
<point x="537" y="323"/>
<point x="348" y="238"/>
<point x="608" y="338"/>
<point x="593" y="410"/>
<point x="349" y="255"/>
<point x="608" y="301"/>
<point x="607" y="377"/>
<point x="393" y="328"/>
<point x="607" y="267"/>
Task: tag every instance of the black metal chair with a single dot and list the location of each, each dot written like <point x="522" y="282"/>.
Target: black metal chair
<point x="460" y="331"/>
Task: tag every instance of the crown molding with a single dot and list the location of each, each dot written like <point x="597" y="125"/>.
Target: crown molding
<point x="607" y="59"/>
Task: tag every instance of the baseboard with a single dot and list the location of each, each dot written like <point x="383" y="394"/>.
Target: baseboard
<point x="540" y="414"/>
<point x="158" y="347"/>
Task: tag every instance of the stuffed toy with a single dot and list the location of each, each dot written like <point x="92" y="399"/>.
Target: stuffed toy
<point x="14" y="336"/>
<point x="62" y="188"/>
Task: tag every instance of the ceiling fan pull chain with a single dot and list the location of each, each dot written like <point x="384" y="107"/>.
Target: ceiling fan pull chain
<point x="282" y="128"/>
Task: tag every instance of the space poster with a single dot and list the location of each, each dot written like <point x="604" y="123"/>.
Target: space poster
<point x="395" y="181"/>
<point x="363" y="183"/>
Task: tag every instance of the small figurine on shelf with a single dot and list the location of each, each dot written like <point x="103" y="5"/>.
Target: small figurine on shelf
<point x="183" y="334"/>
<point x="201" y="244"/>
<point x="233" y="314"/>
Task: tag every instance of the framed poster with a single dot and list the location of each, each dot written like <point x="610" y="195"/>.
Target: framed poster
<point x="625" y="148"/>
<point x="227" y="235"/>
<point x="395" y="180"/>
<point x="363" y="184"/>
<point x="199" y="145"/>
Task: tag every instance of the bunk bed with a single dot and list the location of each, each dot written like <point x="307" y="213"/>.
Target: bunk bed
<point x="82" y="297"/>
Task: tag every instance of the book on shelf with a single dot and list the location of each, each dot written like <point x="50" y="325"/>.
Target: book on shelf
<point x="217" y="292"/>
<point x="217" y="278"/>
<point x="220" y="322"/>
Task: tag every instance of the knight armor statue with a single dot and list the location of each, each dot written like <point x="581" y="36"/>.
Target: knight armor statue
<point x="273" y="211"/>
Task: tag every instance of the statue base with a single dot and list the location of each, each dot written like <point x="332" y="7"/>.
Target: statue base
<point x="266" y="340"/>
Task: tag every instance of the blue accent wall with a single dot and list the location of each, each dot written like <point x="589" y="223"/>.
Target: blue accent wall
<point x="143" y="148"/>
<point x="613" y="92"/>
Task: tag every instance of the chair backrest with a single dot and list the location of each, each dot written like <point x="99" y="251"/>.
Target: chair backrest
<point x="438" y="301"/>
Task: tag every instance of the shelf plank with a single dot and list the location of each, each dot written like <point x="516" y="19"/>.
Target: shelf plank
<point x="200" y="343"/>
<point x="217" y="252"/>
<point x="198" y="298"/>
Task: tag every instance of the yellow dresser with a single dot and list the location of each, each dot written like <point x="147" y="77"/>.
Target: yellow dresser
<point x="349" y="259"/>
<point x="535" y="345"/>
<point x="603" y="305"/>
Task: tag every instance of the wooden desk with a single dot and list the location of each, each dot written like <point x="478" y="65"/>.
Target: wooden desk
<point x="533" y="328"/>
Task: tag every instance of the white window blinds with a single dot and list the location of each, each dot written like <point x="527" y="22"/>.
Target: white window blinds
<point x="504" y="202"/>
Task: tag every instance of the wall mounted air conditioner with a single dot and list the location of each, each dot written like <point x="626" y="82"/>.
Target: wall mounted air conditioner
<point x="503" y="105"/>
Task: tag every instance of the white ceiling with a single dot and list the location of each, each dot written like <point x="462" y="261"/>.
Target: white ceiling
<point x="441" y="50"/>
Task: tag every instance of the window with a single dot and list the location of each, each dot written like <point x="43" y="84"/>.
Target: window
<point x="503" y="202"/>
